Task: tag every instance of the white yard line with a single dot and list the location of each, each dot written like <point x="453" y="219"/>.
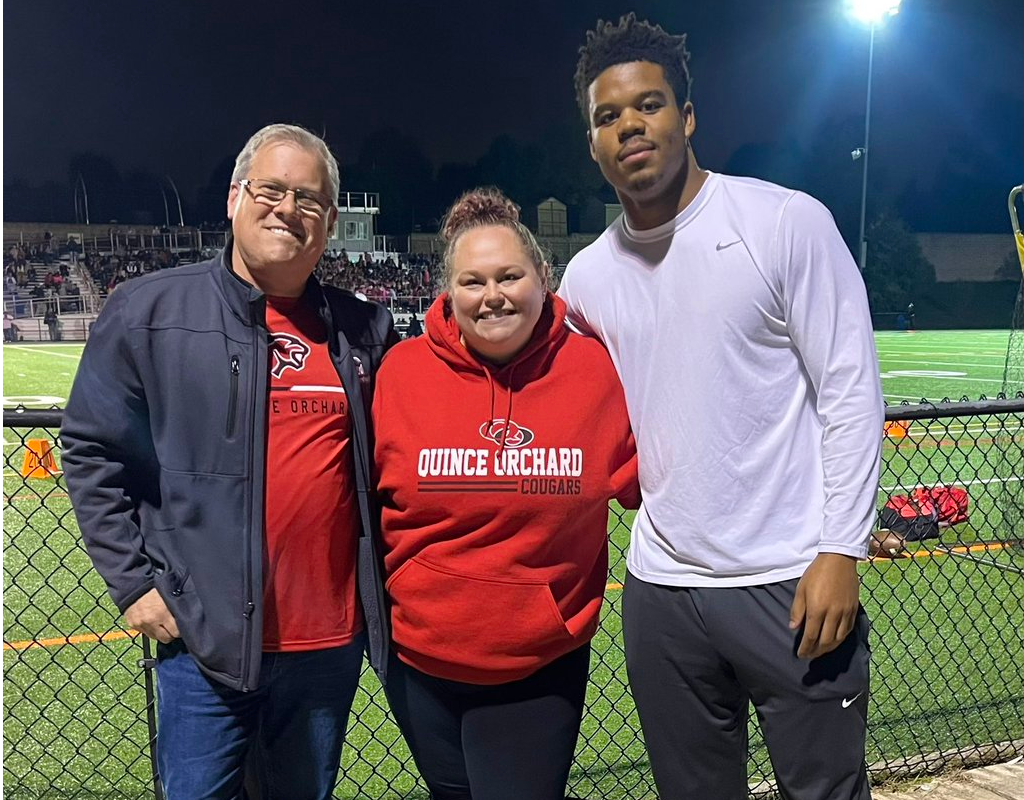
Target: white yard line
<point x="976" y="482"/>
<point x="945" y="352"/>
<point x="954" y="430"/>
<point x="929" y="364"/>
<point x="949" y="378"/>
<point x="40" y="350"/>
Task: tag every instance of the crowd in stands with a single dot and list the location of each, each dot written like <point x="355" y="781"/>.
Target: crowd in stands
<point x="402" y="282"/>
<point x="21" y="280"/>
<point x="109" y="270"/>
<point x="397" y="281"/>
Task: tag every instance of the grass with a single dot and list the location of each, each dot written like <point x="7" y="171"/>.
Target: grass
<point x="946" y="643"/>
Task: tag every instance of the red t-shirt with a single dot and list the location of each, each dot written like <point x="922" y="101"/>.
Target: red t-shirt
<point x="312" y="518"/>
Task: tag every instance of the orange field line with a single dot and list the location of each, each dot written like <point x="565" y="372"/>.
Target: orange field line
<point x="82" y="638"/>
<point x="969" y="548"/>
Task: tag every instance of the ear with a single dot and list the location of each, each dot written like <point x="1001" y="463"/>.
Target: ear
<point x="689" y="117"/>
<point x="590" y="144"/>
<point x="332" y="218"/>
<point x="233" y="199"/>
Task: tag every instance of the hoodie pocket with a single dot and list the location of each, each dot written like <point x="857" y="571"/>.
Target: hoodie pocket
<point x="483" y="623"/>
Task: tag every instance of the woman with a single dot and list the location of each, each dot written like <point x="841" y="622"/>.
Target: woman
<point x="501" y="436"/>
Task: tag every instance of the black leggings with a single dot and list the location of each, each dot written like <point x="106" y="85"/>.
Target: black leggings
<point x="505" y="742"/>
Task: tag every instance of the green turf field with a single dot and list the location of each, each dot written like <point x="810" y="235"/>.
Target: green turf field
<point x="924" y="364"/>
<point x="946" y="641"/>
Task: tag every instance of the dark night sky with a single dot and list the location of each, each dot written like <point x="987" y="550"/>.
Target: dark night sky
<point x="176" y="87"/>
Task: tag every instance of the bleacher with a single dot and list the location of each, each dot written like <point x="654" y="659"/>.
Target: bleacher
<point x="97" y="261"/>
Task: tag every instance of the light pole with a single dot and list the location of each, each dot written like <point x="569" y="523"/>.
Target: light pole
<point x="181" y="217"/>
<point x="85" y="198"/>
<point x="872" y="13"/>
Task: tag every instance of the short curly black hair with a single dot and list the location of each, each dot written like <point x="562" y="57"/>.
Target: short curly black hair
<point x="631" y="40"/>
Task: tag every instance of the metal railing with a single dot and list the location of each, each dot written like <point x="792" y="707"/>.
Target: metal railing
<point x="947" y="686"/>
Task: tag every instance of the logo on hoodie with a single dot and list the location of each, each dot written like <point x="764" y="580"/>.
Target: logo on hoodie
<point x="506" y="433"/>
<point x="287" y="351"/>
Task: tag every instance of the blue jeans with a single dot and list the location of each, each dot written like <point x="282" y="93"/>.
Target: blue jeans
<point x="293" y="723"/>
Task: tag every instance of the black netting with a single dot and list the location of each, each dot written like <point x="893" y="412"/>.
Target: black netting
<point x="947" y="613"/>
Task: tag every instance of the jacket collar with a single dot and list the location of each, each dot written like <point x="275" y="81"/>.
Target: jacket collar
<point x="241" y="296"/>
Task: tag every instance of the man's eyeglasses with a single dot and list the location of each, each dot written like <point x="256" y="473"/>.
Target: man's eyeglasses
<point x="271" y="193"/>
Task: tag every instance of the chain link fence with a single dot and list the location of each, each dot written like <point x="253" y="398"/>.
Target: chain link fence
<point x="947" y="685"/>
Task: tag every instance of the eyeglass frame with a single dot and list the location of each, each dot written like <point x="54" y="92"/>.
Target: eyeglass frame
<point x="298" y="194"/>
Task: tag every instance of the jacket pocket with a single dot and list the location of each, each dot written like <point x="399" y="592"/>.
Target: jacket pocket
<point x="179" y="595"/>
<point x="482" y="623"/>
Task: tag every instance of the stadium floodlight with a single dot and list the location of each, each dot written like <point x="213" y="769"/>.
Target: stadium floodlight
<point x="871" y="13"/>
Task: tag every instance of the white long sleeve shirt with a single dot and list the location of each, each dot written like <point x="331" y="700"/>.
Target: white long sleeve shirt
<point x="742" y="335"/>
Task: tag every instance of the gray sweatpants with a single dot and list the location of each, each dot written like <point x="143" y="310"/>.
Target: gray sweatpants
<point x="696" y="656"/>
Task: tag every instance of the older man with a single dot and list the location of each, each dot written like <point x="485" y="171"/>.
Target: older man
<point x="216" y="451"/>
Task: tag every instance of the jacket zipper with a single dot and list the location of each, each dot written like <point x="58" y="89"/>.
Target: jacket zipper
<point x="233" y="396"/>
<point x="254" y="521"/>
<point x="247" y="580"/>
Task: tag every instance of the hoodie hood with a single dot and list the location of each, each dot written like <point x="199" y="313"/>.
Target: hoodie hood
<point x="445" y="340"/>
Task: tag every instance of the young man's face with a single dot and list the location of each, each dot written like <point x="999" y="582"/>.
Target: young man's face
<point x="637" y="131"/>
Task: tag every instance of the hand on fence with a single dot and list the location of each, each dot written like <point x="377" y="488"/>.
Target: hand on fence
<point x="150" y="615"/>
<point x="826" y="603"/>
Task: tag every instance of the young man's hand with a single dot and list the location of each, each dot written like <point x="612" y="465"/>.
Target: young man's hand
<point x="826" y="604"/>
<point x="150" y="615"/>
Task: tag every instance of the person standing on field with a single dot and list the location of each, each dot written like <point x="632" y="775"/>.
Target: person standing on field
<point x="739" y="325"/>
<point x="217" y="452"/>
<point x="494" y="489"/>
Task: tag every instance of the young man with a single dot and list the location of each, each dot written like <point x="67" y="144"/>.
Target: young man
<point x="217" y="453"/>
<point x="758" y="427"/>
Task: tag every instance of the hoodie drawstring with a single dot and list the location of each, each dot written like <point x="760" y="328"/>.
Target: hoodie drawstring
<point x="490" y="385"/>
<point x="508" y="413"/>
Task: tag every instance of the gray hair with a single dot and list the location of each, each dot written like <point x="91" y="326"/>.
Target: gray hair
<point x="279" y="132"/>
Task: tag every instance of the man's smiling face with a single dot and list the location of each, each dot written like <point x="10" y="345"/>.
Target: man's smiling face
<point x="277" y="246"/>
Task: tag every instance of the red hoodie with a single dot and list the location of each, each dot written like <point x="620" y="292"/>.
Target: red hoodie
<point x="495" y="483"/>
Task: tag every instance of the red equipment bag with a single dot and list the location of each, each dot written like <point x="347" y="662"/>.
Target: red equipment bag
<point x="914" y="518"/>
<point x="950" y="501"/>
<point x="918" y="516"/>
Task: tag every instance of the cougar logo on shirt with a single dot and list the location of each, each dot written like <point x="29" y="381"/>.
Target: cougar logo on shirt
<point x="506" y="433"/>
<point x="288" y="351"/>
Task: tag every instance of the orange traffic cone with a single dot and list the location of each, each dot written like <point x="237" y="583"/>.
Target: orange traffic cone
<point x="897" y="429"/>
<point x="39" y="461"/>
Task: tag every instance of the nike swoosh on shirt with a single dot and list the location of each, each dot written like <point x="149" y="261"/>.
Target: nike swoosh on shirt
<point x="723" y="245"/>
<point x="850" y="702"/>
